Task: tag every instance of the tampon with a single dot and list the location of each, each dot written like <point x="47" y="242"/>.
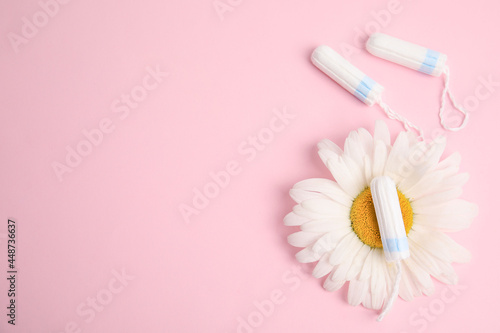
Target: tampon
<point x="344" y="73"/>
<point x="421" y="59"/>
<point x="392" y="229"/>
<point x="407" y="54"/>
<point x="355" y="81"/>
<point x="389" y="218"/>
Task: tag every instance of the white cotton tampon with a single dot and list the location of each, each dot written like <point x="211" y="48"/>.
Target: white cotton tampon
<point x="421" y="59"/>
<point x="389" y="218"/>
<point x="345" y="74"/>
<point x="355" y="81"/>
<point x="406" y="54"/>
<point x="392" y="229"/>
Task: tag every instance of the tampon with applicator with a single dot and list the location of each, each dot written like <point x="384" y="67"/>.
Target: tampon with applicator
<point x="392" y="229"/>
<point x="355" y="81"/>
<point x="418" y="58"/>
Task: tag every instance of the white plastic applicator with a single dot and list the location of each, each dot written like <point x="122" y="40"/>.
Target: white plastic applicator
<point x="418" y="58"/>
<point x="392" y="229"/>
<point x="355" y="81"/>
<point x="345" y="74"/>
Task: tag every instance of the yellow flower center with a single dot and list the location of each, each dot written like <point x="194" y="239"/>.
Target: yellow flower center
<point x="364" y="221"/>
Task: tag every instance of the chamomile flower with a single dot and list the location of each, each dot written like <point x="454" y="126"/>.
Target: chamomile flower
<point x="339" y="227"/>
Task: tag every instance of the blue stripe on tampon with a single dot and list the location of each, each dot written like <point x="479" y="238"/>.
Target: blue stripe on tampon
<point x="430" y="61"/>
<point x="395" y="244"/>
<point x="364" y="88"/>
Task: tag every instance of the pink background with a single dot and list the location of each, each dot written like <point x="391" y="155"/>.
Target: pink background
<point x="119" y="208"/>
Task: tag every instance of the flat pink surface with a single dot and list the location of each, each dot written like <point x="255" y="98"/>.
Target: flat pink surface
<point x="102" y="245"/>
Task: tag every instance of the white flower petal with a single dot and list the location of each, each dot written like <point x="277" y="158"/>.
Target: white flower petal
<point x="422" y="258"/>
<point x="439" y="245"/>
<point x="333" y="285"/>
<point x="382" y="133"/>
<point x="421" y="158"/>
<point x="448" y="274"/>
<point x="329" y="241"/>
<point x="326" y="208"/>
<point x="379" y="158"/>
<point x="340" y="273"/>
<point x="412" y="138"/>
<point x="358" y="145"/>
<point x="349" y="179"/>
<point x="435" y="199"/>
<point x="303" y="238"/>
<point x="422" y="280"/>
<point x="426" y="185"/>
<point x="435" y="151"/>
<point x="453" y="207"/>
<point x="452" y="216"/>
<point x="346" y="245"/>
<point x="323" y="266"/>
<point x="378" y="283"/>
<point x="357" y="170"/>
<point x="367" y="266"/>
<point x="307" y="255"/>
<point x="441" y="270"/>
<point x="292" y="219"/>
<point x="452" y="162"/>
<point x="366" y="140"/>
<point x="357" y="291"/>
<point x="300" y="195"/>
<point x="358" y="263"/>
<point x="299" y="210"/>
<point x="329" y="145"/>
<point x="367" y="169"/>
<point x="367" y="301"/>
<point x="456" y="252"/>
<point x="458" y="180"/>
<point x="395" y="164"/>
<point x="353" y="148"/>
<point x="326" y="187"/>
<point x="414" y="166"/>
<point x="325" y="225"/>
<point x="327" y="156"/>
<point x="329" y="151"/>
<point x="389" y="270"/>
<point x="436" y="181"/>
<point x="407" y="288"/>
